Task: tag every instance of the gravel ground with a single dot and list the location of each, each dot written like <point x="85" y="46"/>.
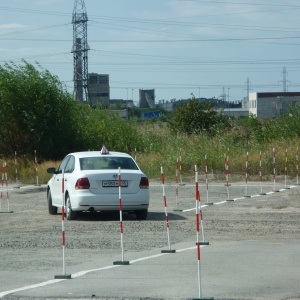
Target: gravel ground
<point x="29" y="234"/>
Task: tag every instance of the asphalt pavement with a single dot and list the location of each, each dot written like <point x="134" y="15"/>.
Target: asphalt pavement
<point x="226" y="270"/>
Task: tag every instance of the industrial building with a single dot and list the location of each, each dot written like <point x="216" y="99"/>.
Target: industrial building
<point x="147" y="98"/>
<point x="271" y="105"/>
<point x="98" y="89"/>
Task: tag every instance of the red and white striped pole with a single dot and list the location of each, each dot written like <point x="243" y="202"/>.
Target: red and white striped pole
<point x="260" y="173"/>
<point x="166" y="213"/>
<point x="198" y="204"/>
<point x="197" y="194"/>
<point x="247" y="173"/>
<point x="297" y="165"/>
<point x="63" y="221"/>
<point x="36" y="168"/>
<point x="274" y="168"/>
<point x="286" y="168"/>
<point x="16" y="167"/>
<point x="198" y="218"/>
<point x="4" y="182"/>
<point x="180" y="165"/>
<point x="227" y="174"/>
<point x="122" y="262"/>
<point x="206" y="180"/>
<point x="176" y="188"/>
<point x="63" y="236"/>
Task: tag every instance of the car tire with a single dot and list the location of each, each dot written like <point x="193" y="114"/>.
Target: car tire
<point x="70" y="214"/>
<point x="51" y="209"/>
<point x="141" y="214"/>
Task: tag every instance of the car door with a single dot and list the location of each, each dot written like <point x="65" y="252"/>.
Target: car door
<point x="57" y="182"/>
<point x="69" y="169"/>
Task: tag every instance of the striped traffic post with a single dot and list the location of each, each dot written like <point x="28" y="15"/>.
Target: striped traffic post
<point x="180" y="167"/>
<point x="226" y="160"/>
<point x="16" y="169"/>
<point x="260" y="174"/>
<point x="166" y="214"/>
<point x="199" y="216"/>
<point x="297" y="166"/>
<point x="4" y="182"/>
<point x="286" y="169"/>
<point x="64" y="275"/>
<point x="274" y="169"/>
<point x="247" y="173"/>
<point x="176" y="188"/>
<point x="36" y="169"/>
<point x="206" y="181"/>
<point x="122" y="262"/>
<point x="198" y="212"/>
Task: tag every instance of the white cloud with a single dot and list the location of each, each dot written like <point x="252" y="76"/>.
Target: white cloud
<point x="11" y="26"/>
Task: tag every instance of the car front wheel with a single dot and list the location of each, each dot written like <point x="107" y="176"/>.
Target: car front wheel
<point x="51" y="209"/>
<point x="70" y="214"/>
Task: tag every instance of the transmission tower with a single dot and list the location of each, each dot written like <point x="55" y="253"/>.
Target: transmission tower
<point x="284" y="79"/>
<point x="80" y="51"/>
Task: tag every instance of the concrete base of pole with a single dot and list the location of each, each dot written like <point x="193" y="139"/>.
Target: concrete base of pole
<point x="168" y="251"/>
<point x="209" y="203"/>
<point x="177" y="209"/>
<point x="6" y="212"/>
<point x="121" y="262"/>
<point x="67" y="276"/>
<point x="247" y="196"/>
<point x="262" y="194"/>
<point x="203" y="298"/>
<point x="204" y="243"/>
<point x="229" y="199"/>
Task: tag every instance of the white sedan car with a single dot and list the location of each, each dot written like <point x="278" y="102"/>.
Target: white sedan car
<point x="89" y="181"/>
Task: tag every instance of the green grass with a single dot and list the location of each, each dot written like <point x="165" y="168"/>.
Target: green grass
<point x="160" y="148"/>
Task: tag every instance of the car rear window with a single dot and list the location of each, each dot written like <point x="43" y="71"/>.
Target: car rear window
<point x="107" y="163"/>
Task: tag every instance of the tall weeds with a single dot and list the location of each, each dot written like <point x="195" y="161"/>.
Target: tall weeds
<point x="156" y="146"/>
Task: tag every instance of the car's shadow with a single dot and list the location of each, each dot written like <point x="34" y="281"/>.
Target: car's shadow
<point x="115" y="216"/>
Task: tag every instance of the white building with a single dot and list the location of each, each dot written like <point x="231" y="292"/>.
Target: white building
<point x="270" y="105"/>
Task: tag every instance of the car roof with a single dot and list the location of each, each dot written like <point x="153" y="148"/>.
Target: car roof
<point x="98" y="153"/>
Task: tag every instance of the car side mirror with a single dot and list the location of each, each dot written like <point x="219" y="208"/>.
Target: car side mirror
<point x="51" y="171"/>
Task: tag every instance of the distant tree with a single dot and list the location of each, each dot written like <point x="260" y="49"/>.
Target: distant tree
<point x="34" y="112"/>
<point x="194" y="117"/>
<point x="37" y="113"/>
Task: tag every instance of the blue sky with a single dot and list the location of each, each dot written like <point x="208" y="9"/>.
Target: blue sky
<point x="177" y="47"/>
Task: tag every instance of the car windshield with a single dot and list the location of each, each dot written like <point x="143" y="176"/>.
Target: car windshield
<point x="107" y="163"/>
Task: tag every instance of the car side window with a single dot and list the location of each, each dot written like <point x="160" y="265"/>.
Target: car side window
<point x="70" y="165"/>
<point x="63" y="164"/>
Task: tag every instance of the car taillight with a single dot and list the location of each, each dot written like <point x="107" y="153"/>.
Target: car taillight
<point x="144" y="183"/>
<point x="82" y="184"/>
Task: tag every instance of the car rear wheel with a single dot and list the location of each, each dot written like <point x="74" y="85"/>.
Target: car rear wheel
<point x="141" y="214"/>
<point x="51" y="209"/>
<point x="70" y="214"/>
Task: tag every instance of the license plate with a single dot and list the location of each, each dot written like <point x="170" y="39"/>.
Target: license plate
<point x="114" y="183"/>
